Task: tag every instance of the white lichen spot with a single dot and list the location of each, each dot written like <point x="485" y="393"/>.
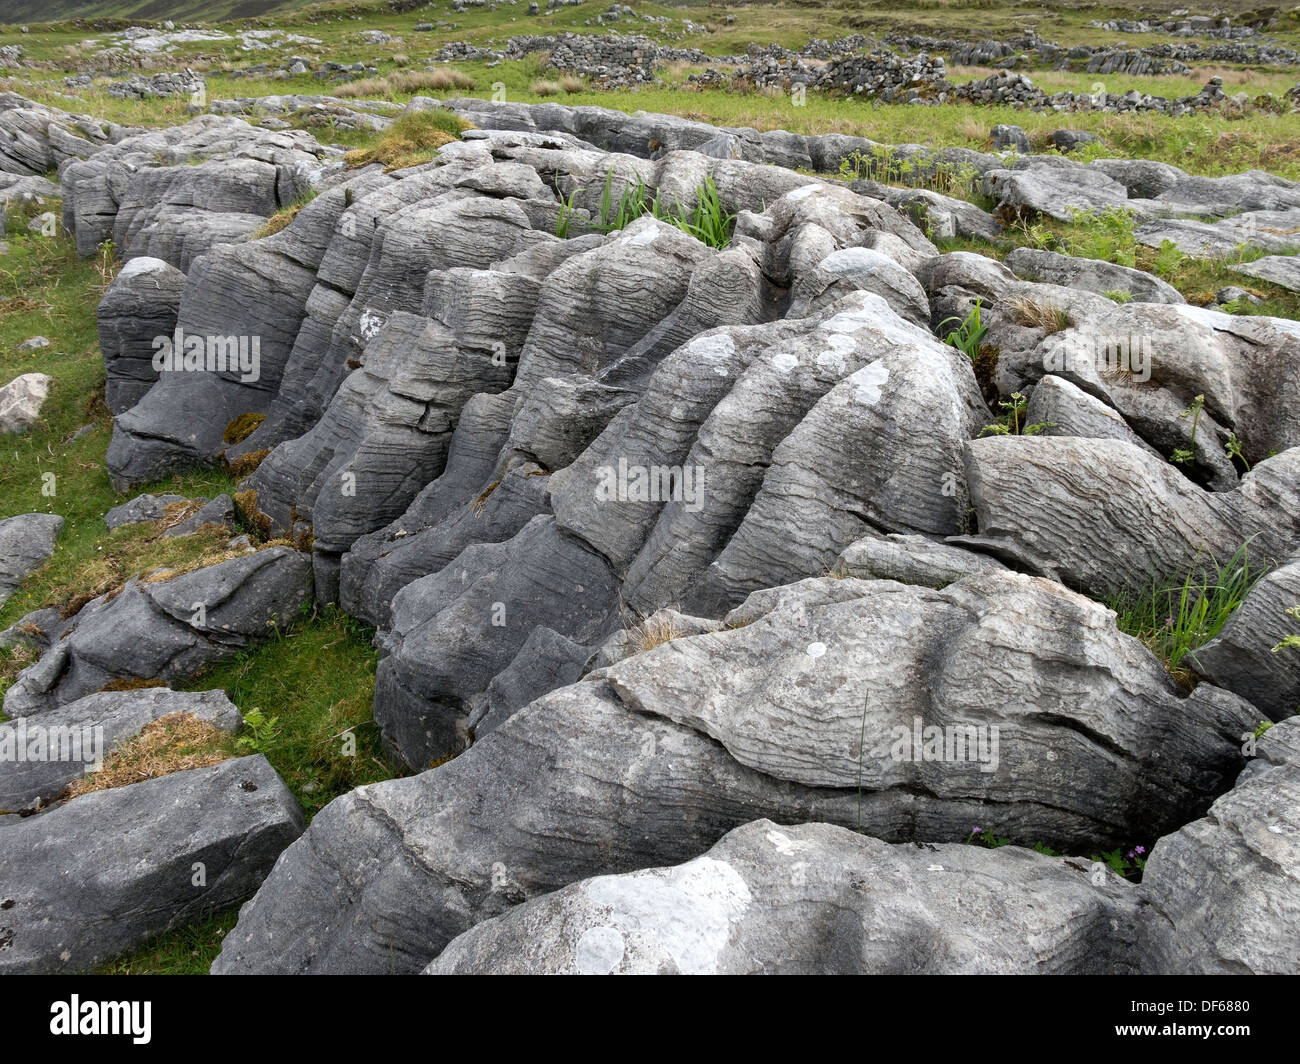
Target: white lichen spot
<point x="685" y="912"/>
<point x="784" y="361"/>
<point x="816" y="650"/>
<point x="644" y="238"/>
<point x="868" y="381"/>
<point x="599" y="951"/>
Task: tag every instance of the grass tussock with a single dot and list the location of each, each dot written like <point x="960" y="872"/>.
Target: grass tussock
<point x="654" y="631"/>
<point x="409" y="83"/>
<point x="177" y="742"/>
<point x="411" y="140"/>
<point x="280" y="219"/>
<point x="1034" y="314"/>
<point x="1174" y="617"/>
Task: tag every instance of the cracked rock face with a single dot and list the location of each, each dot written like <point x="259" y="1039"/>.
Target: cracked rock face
<point x="814" y="899"/>
<point x="810" y="704"/>
<point x="104" y="872"/>
<point x="1104" y="515"/>
<point x="167" y="628"/>
<point x="1223" y="889"/>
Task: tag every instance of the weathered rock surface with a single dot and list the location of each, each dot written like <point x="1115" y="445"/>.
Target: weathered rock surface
<point x="26" y="542"/>
<point x="1241" y="658"/>
<point x="86" y="731"/>
<point x="174" y="193"/>
<point x="139" y="307"/>
<point x="1281" y="270"/>
<point x="815" y="899"/>
<point x="21" y="401"/>
<point x="1222" y="891"/>
<point x="96" y="876"/>
<point x="166" y="628"/>
<point x="1105" y="516"/>
<point x="1048" y="267"/>
<point x="651" y="758"/>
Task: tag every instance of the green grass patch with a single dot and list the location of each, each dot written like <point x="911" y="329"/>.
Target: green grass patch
<point x="1174" y="617"/>
<point x="185" y="951"/>
<point x="411" y="140"/>
<point x="308" y="697"/>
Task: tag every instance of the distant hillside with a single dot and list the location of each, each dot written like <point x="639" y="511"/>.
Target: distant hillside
<point x="16" y="11"/>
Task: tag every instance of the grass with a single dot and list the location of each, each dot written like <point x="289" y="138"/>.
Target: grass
<point x="318" y="683"/>
<point x="1174" y="617"/>
<point x="186" y="951"/>
<point x="177" y="742"/>
<point x="706" y="221"/>
<point x="408" y="83"/>
<point x="280" y="220"/>
<point x="411" y="140"/>
<point x="1035" y="314"/>
<point x="45" y="289"/>
<point x="652" y="632"/>
<point x="968" y="333"/>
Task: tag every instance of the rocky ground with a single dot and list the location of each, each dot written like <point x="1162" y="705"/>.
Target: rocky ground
<point x="770" y="571"/>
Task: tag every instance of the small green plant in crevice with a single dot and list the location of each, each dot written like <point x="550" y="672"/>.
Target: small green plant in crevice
<point x="1011" y="421"/>
<point x="1174" y="617"/>
<point x="1187" y="455"/>
<point x="563" y="222"/>
<point x="1290" y="642"/>
<point x="1126" y="863"/>
<point x="707" y="223"/>
<point x="1118" y="295"/>
<point x="1233" y="450"/>
<point x="980" y="837"/>
<point x="969" y="332"/>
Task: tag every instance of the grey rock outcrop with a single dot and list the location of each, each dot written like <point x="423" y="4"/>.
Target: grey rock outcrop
<point x="166" y="628"/>
<point x="783" y="742"/>
<point x="26" y="542"/>
<point x="815" y="899"/>
<point x="103" y="873"/>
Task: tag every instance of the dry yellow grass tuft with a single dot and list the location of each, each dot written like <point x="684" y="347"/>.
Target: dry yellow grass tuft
<point x="654" y="631"/>
<point x="1035" y="315"/>
<point x="545" y="88"/>
<point x="246" y="463"/>
<point x="278" y="221"/>
<point x="411" y="140"/>
<point x="407" y="82"/>
<point x="174" y="743"/>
